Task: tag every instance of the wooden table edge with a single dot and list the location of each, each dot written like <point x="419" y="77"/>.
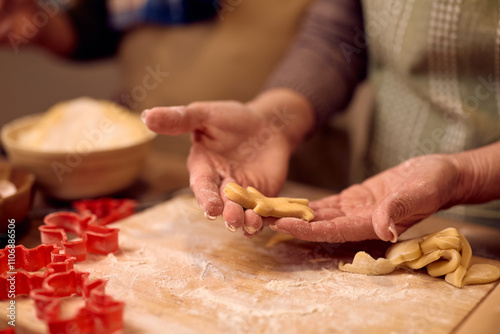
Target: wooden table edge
<point x="484" y="318"/>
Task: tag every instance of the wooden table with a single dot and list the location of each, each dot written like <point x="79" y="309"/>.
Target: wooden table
<point x="180" y="273"/>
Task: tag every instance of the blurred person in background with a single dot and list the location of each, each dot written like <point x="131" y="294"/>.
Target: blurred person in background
<point x="434" y="66"/>
<point x="167" y="52"/>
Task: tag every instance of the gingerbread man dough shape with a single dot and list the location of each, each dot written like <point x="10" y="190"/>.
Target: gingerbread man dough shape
<point x="251" y="198"/>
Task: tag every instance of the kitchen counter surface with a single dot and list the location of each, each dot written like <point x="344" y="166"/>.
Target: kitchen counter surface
<point x="178" y="272"/>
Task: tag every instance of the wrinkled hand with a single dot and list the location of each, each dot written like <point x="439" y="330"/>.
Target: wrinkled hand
<point x="383" y="206"/>
<point x="231" y="142"/>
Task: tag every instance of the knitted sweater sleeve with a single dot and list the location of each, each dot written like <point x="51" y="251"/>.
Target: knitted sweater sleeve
<point x="328" y="57"/>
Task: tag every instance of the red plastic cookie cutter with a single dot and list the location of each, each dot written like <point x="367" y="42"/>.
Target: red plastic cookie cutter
<point x="107" y="210"/>
<point x="17" y="262"/>
<point x="91" y="238"/>
<point x="101" y="313"/>
<point x="34" y="259"/>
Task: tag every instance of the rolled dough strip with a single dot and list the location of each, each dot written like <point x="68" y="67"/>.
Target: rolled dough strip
<point x="404" y="251"/>
<point x="251" y="198"/>
<point x="440" y="242"/>
<point x="456" y="277"/>
<point x="424" y="260"/>
<point x="446" y="252"/>
<point x="447" y="232"/>
<point x="443" y="267"/>
<point x="466" y="252"/>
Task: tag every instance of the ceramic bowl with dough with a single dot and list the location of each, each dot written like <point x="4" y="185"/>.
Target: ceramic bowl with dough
<point x="82" y="168"/>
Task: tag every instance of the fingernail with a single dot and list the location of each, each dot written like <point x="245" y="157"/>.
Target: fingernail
<point x="393" y="231"/>
<point x="209" y="217"/>
<point x="249" y="229"/>
<point x="181" y="110"/>
<point x="143" y="115"/>
<point x="277" y="228"/>
<point x="230" y="228"/>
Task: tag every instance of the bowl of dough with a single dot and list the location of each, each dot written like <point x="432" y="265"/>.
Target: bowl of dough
<point x="81" y="148"/>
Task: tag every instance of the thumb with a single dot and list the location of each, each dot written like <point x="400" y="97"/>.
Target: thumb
<point x="173" y="120"/>
<point x="393" y="210"/>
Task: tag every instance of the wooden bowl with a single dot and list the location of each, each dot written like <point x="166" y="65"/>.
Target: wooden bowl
<point x="76" y="175"/>
<point x="15" y="207"/>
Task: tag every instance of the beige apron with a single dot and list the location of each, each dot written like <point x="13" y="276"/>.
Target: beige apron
<point x="434" y="66"/>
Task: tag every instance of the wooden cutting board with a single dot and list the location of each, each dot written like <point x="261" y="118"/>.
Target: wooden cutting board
<point x="181" y="273"/>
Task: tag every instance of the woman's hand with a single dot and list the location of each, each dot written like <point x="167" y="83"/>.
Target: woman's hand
<point x="383" y="206"/>
<point x="249" y="144"/>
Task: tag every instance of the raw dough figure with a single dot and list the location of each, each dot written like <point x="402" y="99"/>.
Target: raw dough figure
<point x="251" y="198"/>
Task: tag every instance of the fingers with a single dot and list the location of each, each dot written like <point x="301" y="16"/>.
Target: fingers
<point x="327" y="214"/>
<point x="400" y="210"/>
<point x="204" y="181"/>
<point x="234" y="216"/>
<point x="266" y="221"/>
<point x="326" y="202"/>
<point x="340" y="229"/>
<point x="175" y="120"/>
<point x="253" y="222"/>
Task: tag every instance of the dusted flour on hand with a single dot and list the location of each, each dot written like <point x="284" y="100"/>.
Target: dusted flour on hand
<point x="84" y="124"/>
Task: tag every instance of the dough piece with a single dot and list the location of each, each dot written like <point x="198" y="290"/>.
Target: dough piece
<point x="446" y="239"/>
<point x="431" y="245"/>
<point x="465" y="252"/>
<point x="481" y="273"/>
<point x="456" y="277"/>
<point x="443" y="267"/>
<point x="424" y="260"/>
<point x="447" y="232"/>
<point x="404" y="251"/>
<point x="446" y="252"/>
<point x="363" y="263"/>
<point x="251" y="198"/>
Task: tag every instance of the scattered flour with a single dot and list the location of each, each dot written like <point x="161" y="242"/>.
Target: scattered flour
<point x="191" y="275"/>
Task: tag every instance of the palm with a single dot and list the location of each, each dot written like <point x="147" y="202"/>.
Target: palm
<point x="382" y="206"/>
<point x="229" y="145"/>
